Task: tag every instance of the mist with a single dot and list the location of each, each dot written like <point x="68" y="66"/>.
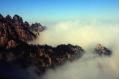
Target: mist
<point x="80" y="33"/>
<point x="92" y="68"/>
<point x="85" y="34"/>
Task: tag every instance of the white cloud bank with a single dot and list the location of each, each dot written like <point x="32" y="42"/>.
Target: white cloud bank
<point x="86" y="34"/>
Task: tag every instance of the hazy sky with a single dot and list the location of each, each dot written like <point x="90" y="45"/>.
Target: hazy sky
<point x="52" y="10"/>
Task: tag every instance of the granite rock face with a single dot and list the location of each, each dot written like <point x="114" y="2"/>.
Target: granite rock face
<point x="14" y="31"/>
<point x="17" y="53"/>
<point x="41" y="56"/>
<point x="102" y="50"/>
<point x="14" y="49"/>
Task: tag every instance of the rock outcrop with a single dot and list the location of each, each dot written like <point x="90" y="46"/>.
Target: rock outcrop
<point x="102" y="51"/>
<point x="14" y="49"/>
<point x="41" y="56"/>
<point x="13" y="31"/>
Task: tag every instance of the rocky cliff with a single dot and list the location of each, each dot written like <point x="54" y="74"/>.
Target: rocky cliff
<point x="14" y="31"/>
<point x="14" y="35"/>
<point x="14" y="49"/>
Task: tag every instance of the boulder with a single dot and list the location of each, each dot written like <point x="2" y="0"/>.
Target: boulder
<point x="102" y="51"/>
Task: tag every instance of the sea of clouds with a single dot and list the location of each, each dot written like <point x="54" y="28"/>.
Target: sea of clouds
<point x="85" y="33"/>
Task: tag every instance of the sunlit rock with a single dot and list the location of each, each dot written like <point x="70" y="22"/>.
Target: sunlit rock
<point x="102" y="51"/>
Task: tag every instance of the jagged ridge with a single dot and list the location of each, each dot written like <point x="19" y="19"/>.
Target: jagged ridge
<point x="14" y="49"/>
<point x="14" y="35"/>
<point x="13" y="31"/>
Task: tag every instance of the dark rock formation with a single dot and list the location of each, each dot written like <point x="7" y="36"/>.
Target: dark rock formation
<point x="14" y="35"/>
<point x="37" y="27"/>
<point x="102" y="51"/>
<point x="43" y="57"/>
<point x="13" y="31"/>
<point x="15" y="51"/>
